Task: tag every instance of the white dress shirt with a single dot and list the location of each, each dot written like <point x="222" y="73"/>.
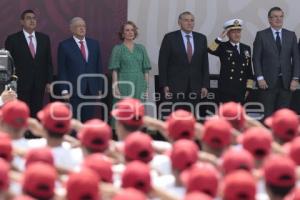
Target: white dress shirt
<point x="238" y="46"/>
<point x="85" y="46"/>
<point x="275" y="35"/>
<point x="28" y="39"/>
<point x="185" y="40"/>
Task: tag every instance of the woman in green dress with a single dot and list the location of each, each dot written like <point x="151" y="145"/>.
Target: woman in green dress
<point x="129" y="64"/>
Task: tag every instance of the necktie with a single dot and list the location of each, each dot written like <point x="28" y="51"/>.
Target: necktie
<point x="278" y="41"/>
<point x="189" y="49"/>
<point x="237" y="48"/>
<point x="31" y="46"/>
<point x="82" y="49"/>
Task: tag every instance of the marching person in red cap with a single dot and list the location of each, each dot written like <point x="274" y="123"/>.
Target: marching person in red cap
<point x="217" y="136"/>
<point x="83" y="185"/>
<point x="14" y="117"/>
<point x="128" y="114"/>
<point x="284" y="124"/>
<point x="39" y="181"/>
<point x="56" y="120"/>
<point x="239" y="185"/>
<point x="280" y="176"/>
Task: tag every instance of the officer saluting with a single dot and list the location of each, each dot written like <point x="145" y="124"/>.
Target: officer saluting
<point x="236" y="74"/>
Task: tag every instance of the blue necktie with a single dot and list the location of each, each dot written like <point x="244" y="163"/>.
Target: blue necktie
<point x="278" y="41"/>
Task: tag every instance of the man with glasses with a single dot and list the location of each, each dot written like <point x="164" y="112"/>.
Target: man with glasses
<point x="31" y="52"/>
<point x="276" y="63"/>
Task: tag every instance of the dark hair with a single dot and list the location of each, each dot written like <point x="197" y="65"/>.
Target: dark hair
<point x="135" y="28"/>
<point x="274" y="9"/>
<point x="279" y="191"/>
<point x="184" y="13"/>
<point x="130" y="128"/>
<point x="26" y="12"/>
<point x="55" y="135"/>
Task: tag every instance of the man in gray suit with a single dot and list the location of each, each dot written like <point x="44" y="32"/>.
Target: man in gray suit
<point x="276" y="63"/>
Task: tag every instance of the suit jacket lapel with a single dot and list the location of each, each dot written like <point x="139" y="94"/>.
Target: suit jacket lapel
<point x="38" y="44"/>
<point x="233" y="49"/>
<point x="284" y="40"/>
<point x="182" y="45"/>
<point x="272" y="40"/>
<point x="23" y="42"/>
<point x="196" y="46"/>
<point x="242" y="50"/>
<point x="76" y="49"/>
<point x="88" y="44"/>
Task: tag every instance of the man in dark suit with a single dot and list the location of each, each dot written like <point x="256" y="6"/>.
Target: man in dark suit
<point x="236" y="76"/>
<point x="31" y="52"/>
<point x="79" y="56"/>
<point x="183" y="63"/>
<point x="276" y="63"/>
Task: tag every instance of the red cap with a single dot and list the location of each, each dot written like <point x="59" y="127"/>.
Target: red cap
<point x="202" y="177"/>
<point x="56" y="117"/>
<point x="234" y="113"/>
<point x="284" y="124"/>
<point x="181" y="125"/>
<point x="23" y="197"/>
<point x="95" y="135"/>
<point x="279" y="171"/>
<point x="39" y="180"/>
<point x="101" y="164"/>
<point x="83" y="185"/>
<point x="217" y="133"/>
<point x="239" y="185"/>
<point x="137" y="175"/>
<point x="184" y="154"/>
<point x="138" y="146"/>
<point x="294" y="195"/>
<point x="4" y="175"/>
<point x="6" y="147"/>
<point x="129" y="111"/>
<point x="234" y="159"/>
<point x="197" y="196"/>
<point x="293" y="149"/>
<point x="42" y="154"/>
<point x="257" y="141"/>
<point x="130" y="194"/>
<point x="15" y="113"/>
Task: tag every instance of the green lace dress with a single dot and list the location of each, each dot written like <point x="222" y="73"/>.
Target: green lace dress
<point x="131" y="67"/>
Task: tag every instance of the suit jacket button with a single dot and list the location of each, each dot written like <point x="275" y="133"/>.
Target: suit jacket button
<point x="230" y="77"/>
<point x="232" y="70"/>
<point x="233" y="63"/>
<point x="243" y="64"/>
<point x="241" y="79"/>
<point x="242" y="72"/>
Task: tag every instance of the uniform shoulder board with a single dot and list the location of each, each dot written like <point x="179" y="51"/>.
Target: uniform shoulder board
<point x="250" y="84"/>
<point x="213" y="46"/>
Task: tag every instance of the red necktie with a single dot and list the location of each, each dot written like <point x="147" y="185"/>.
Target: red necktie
<point x="31" y="46"/>
<point x="189" y="49"/>
<point x="82" y="49"/>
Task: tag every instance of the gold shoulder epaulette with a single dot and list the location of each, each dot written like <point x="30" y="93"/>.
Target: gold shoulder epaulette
<point x="213" y="46"/>
<point x="250" y="83"/>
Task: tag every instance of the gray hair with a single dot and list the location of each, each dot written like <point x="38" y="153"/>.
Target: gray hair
<point x="74" y="20"/>
<point x="184" y="13"/>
